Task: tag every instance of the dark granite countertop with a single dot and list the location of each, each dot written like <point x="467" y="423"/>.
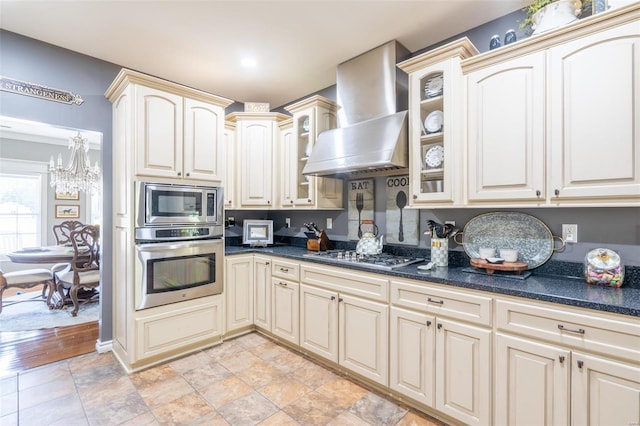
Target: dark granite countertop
<point x="570" y="291"/>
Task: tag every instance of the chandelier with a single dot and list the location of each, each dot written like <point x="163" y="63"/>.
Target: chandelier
<point x="78" y="175"/>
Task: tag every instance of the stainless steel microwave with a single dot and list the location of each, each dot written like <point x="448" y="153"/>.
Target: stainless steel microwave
<point x="162" y="204"/>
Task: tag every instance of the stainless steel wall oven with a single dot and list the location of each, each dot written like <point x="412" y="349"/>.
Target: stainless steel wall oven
<point x="179" y="243"/>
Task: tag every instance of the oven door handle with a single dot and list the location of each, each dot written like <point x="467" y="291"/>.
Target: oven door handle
<point x="176" y="245"/>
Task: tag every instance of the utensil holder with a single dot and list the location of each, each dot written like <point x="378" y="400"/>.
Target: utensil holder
<point x="440" y="251"/>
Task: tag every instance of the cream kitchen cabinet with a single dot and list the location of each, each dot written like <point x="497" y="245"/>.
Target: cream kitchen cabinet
<point x="436" y="359"/>
<point x="538" y="134"/>
<point x="310" y="117"/>
<point x="262" y="292"/>
<point x="436" y="124"/>
<point x="285" y="300"/>
<point x="229" y="154"/>
<point x="256" y="135"/>
<point x="178" y="137"/>
<point x="339" y="325"/>
<point x="239" y="289"/>
<point x="561" y="367"/>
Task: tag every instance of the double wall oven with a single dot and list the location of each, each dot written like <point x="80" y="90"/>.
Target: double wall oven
<point x="179" y="243"/>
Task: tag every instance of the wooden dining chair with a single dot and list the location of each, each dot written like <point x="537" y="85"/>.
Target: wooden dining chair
<point x="84" y="270"/>
<point x="26" y="279"/>
<point x="62" y="232"/>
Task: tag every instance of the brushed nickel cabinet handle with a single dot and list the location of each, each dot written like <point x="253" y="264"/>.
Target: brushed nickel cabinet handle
<point x="563" y="328"/>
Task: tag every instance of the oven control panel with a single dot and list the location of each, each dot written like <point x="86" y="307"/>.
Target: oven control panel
<point x="178" y="233"/>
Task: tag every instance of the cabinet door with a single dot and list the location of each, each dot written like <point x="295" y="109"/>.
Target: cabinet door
<point x="412" y="355"/>
<point x="594" y="116"/>
<point x="239" y="292"/>
<point x="285" y="298"/>
<point x="463" y="371"/>
<point x="256" y="157"/>
<point x="319" y="321"/>
<point x="289" y="158"/>
<point x="229" y="156"/>
<point x="364" y="338"/>
<point x="262" y="292"/>
<point x="203" y="150"/>
<point x="158" y="133"/>
<point x="505" y="148"/>
<point x="532" y="382"/>
<point x="604" y="392"/>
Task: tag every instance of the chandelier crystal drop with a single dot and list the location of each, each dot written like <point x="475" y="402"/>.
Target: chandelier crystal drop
<point x="78" y="175"/>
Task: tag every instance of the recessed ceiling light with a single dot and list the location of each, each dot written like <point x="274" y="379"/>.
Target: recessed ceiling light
<point x="248" y="63"/>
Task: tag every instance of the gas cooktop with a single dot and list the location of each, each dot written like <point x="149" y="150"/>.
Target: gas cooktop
<point x="378" y="261"/>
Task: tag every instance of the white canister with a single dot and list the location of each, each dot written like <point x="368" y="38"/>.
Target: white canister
<point x="440" y="251"/>
<point x="486" y="252"/>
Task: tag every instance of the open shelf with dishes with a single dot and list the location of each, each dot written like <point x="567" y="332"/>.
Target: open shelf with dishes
<point x="435" y="124"/>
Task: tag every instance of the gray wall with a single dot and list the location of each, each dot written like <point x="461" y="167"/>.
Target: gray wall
<point x="33" y="61"/>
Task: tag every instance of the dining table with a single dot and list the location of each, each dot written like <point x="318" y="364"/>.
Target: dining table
<point x="45" y="254"/>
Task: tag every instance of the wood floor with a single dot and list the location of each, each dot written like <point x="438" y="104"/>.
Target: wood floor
<point x="22" y="350"/>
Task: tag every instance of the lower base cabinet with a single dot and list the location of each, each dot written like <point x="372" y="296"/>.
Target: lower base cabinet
<point x="239" y="295"/>
<point x="430" y="353"/>
<point x="347" y="330"/>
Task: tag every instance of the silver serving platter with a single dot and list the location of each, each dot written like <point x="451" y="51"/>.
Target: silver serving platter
<point x="509" y="230"/>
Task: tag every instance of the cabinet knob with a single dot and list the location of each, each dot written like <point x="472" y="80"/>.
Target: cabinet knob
<point x="291" y="201"/>
<point x="428" y="323"/>
<point x="538" y="193"/>
<point x="439" y="326"/>
<point x="309" y="200"/>
<point x="561" y="359"/>
<point x="333" y="298"/>
<point x="266" y="263"/>
<point x="415" y="197"/>
<point x="188" y="174"/>
<point x="556" y="192"/>
<point x="580" y="363"/>
<point x="340" y="299"/>
<point x="268" y="202"/>
<point x="179" y="173"/>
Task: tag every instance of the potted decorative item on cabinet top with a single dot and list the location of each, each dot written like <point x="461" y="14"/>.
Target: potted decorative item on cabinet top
<point x="545" y="15"/>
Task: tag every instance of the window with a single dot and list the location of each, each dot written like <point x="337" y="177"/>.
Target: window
<point x="22" y="201"/>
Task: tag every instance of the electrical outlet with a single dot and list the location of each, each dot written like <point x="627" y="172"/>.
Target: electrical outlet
<point x="329" y="223"/>
<point x="287" y="222"/>
<point x="570" y="233"/>
<point x="231" y="220"/>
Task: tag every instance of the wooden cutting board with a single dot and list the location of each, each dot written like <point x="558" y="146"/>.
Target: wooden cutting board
<point x="516" y="267"/>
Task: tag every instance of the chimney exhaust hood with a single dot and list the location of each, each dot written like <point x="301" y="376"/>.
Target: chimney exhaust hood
<point x="372" y="136"/>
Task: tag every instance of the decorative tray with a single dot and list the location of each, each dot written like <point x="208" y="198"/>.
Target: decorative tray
<point x="509" y="230"/>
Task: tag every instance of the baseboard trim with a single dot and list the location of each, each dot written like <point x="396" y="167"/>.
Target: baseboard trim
<point x="104" y="347"/>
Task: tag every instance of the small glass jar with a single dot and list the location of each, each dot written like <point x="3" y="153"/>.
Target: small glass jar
<point x="603" y="267"/>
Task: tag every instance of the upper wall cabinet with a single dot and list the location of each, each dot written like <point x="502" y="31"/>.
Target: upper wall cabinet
<point x="310" y="117"/>
<point x="230" y="154"/>
<point x="256" y="136"/>
<point x="436" y="123"/>
<point x="177" y="130"/>
<point x="553" y="120"/>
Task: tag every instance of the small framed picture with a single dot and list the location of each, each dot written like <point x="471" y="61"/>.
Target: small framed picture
<point x="67" y="212"/>
<point x="68" y="196"/>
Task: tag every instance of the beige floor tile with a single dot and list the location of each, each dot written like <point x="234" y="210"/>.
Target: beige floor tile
<point x="289" y="362"/>
<point x="164" y="391"/>
<point x="268" y="351"/>
<point x="189" y="362"/>
<point x="312" y="409"/>
<point x="41" y="375"/>
<point x="225" y="391"/>
<point x="260" y="374"/>
<point x="248" y="410"/>
<point x="211" y="419"/>
<point x="152" y="375"/>
<point x="313" y="375"/>
<point x="48" y="391"/>
<point x="377" y="410"/>
<point x="414" y="419"/>
<point x="115" y="408"/>
<point x="342" y="391"/>
<point x="91" y="361"/>
<point x="203" y="376"/>
<point x="105" y="389"/>
<point x="239" y="361"/>
<point x="225" y="349"/>
<point x="64" y="410"/>
<point x="279" y="419"/>
<point x="146" y="419"/>
<point x="347" y="419"/>
<point x="252" y="339"/>
<point x="183" y="410"/>
<point x="284" y="390"/>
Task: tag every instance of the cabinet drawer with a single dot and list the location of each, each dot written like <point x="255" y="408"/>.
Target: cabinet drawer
<point x="283" y="269"/>
<point x="341" y="280"/>
<point x="441" y="302"/>
<point x="609" y="335"/>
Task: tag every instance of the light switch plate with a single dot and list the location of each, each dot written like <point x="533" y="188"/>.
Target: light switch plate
<point x="329" y="223"/>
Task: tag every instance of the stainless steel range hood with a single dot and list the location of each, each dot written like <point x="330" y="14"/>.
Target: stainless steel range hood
<point x="372" y="93"/>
